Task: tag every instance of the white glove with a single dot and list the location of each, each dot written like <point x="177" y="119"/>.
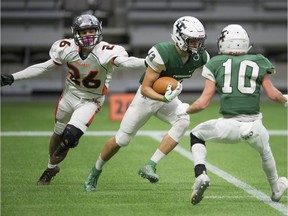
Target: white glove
<point x="286" y="104"/>
<point x="170" y="95"/>
<point x="181" y="109"/>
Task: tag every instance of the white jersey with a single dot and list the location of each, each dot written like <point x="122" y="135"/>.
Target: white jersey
<point x="88" y="77"/>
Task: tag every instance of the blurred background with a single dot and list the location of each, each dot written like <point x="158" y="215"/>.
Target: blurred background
<point x="30" y="27"/>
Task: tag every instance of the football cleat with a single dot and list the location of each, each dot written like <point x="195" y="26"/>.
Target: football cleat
<point x="282" y="187"/>
<point x="92" y="179"/>
<point x="47" y="176"/>
<point x="201" y="183"/>
<point x="149" y="172"/>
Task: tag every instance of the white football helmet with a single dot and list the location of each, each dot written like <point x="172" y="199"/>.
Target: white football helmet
<point x="87" y="21"/>
<point x="188" y="27"/>
<point x="233" y="39"/>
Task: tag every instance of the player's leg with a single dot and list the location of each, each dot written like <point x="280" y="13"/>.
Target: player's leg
<point x="202" y="180"/>
<point x="59" y="154"/>
<point x="69" y="139"/>
<point x="135" y="117"/>
<point x="198" y="136"/>
<point x="52" y="169"/>
<point x="62" y="116"/>
<point x="55" y="141"/>
<point x="137" y="114"/>
<point x="217" y="130"/>
<point x="81" y="118"/>
<point x="199" y="153"/>
<point x="178" y="128"/>
<point x="260" y="141"/>
<point x="71" y="132"/>
<point x="109" y="150"/>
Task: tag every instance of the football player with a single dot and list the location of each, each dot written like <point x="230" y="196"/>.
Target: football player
<point x="238" y="77"/>
<point x="178" y="59"/>
<point x="90" y="63"/>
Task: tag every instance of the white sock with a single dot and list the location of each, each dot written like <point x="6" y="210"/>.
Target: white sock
<point x="99" y="163"/>
<point x="51" y="166"/>
<point x="157" y="156"/>
<point x="269" y="167"/>
<point x="199" y="153"/>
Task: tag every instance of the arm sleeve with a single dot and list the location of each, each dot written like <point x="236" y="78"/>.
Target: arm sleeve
<point x="129" y="62"/>
<point x="155" y="61"/>
<point x="35" y="70"/>
<point x="208" y="74"/>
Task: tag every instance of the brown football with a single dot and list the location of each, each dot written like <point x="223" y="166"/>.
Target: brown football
<point x="160" y="85"/>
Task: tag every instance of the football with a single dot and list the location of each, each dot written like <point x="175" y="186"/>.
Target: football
<point x="160" y="85"/>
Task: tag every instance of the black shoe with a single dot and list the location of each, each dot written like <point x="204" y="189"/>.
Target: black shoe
<point x="47" y="176"/>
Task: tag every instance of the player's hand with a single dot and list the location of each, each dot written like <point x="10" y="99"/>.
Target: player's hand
<point x="6" y="79"/>
<point x="182" y="109"/>
<point x="171" y="94"/>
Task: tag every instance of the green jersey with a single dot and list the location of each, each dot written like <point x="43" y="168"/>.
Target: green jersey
<point x="164" y="59"/>
<point x="238" y="80"/>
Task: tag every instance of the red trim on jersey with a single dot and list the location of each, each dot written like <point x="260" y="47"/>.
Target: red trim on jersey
<point x="113" y="59"/>
<point x="91" y="119"/>
<point x="104" y="90"/>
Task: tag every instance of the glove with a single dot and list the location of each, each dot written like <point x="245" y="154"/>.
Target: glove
<point x="169" y="94"/>
<point x="6" y="79"/>
<point x="181" y="109"/>
<point x="286" y="104"/>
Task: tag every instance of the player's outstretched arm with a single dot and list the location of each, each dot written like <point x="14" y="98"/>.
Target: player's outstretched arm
<point x="130" y="62"/>
<point x="203" y="101"/>
<point x="32" y="71"/>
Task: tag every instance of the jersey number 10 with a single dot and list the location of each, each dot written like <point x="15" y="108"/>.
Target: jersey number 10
<point x="245" y="89"/>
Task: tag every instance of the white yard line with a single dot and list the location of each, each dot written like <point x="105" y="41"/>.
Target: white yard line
<point x="111" y="133"/>
<point x="157" y="135"/>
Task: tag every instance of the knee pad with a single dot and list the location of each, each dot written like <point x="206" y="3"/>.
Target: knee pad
<point x="194" y="140"/>
<point x="123" y="139"/>
<point x="178" y="129"/>
<point x="71" y="136"/>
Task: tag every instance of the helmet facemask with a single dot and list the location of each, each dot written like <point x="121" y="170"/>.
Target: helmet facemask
<point x="89" y="40"/>
<point x="192" y="49"/>
<point x="86" y="22"/>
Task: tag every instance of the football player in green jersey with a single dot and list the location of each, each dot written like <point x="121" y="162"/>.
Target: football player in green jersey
<point x="178" y="60"/>
<point x="238" y="77"/>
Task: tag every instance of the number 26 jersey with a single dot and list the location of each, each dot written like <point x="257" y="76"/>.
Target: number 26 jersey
<point x="89" y="77"/>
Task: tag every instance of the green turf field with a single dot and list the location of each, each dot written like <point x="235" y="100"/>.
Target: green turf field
<point x="238" y="184"/>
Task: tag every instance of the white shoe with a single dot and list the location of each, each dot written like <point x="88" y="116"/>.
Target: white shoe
<point x="282" y="187"/>
<point x="201" y="183"/>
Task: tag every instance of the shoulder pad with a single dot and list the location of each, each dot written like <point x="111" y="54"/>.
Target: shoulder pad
<point x="106" y="52"/>
<point x="60" y="49"/>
